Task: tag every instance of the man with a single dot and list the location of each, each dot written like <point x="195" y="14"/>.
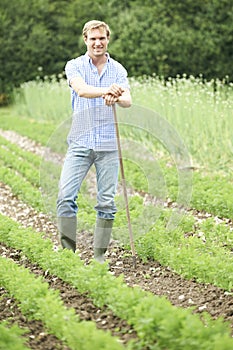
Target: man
<point x="97" y="82"/>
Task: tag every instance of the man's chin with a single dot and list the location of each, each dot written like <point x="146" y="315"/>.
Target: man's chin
<point x="98" y="52"/>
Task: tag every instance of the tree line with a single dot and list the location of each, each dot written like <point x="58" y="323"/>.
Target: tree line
<point x="162" y="37"/>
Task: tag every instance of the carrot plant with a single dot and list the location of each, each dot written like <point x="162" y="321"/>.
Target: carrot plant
<point x="219" y="233"/>
<point x="38" y="301"/>
<point x="192" y="259"/>
<point x="11" y="337"/>
<point x="213" y="194"/>
<point x="159" y="325"/>
<point x="20" y="165"/>
<point x="210" y="192"/>
<point x="189" y="255"/>
<point x="21" y="187"/>
<point x="28" y="156"/>
<point x="38" y="131"/>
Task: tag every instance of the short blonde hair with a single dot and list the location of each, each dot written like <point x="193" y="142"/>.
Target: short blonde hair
<point x="93" y="25"/>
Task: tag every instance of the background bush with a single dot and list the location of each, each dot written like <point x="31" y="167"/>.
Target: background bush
<point x="166" y="37"/>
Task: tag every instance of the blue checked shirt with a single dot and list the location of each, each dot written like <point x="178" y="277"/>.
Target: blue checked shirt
<point x="93" y="122"/>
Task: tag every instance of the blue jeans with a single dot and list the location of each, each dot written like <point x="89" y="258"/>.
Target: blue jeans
<point x="76" y="166"/>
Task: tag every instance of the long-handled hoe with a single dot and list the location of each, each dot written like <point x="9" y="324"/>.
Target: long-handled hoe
<point x="124" y="187"/>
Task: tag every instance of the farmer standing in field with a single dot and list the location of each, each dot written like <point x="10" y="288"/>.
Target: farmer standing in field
<point x="97" y="82"/>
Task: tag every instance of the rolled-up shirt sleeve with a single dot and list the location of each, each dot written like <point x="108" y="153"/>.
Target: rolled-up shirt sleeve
<point x="122" y="77"/>
<point x="72" y="70"/>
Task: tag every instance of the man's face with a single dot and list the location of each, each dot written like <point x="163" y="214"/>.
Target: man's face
<point x="97" y="42"/>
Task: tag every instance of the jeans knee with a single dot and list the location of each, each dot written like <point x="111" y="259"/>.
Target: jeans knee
<point x="66" y="207"/>
<point x="108" y="216"/>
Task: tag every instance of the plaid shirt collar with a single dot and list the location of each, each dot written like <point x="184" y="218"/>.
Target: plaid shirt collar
<point x="89" y="59"/>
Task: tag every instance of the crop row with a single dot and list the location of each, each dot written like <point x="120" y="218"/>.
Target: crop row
<point x="189" y="256"/>
<point x="150" y="316"/>
<point x="212" y="193"/>
<point x="38" y="301"/>
<point x="209" y="192"/>
<point x="19" y="162"/>
<point x="207" y="258"/>
<point x="11" y="337"/>
<point x="38" y="131"/>
<point x="21" y="187"/>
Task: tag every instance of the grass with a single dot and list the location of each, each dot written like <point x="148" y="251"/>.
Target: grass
<point x="44" y="101"/>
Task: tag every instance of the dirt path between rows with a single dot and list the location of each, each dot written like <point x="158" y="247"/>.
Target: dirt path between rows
<point x="83" y="305"/>
<point x="150" y="276"/>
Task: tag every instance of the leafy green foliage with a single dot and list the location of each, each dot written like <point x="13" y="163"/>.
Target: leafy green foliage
<point x="27" y="156"/>
<point x="40" y="302"/>
<point x="21" y="187"/>
<point x="38" y="131"/>
<point x="213" y="193"/>
<point x="189" y="255"/>
<point x="166" y="38"/>
<point x="11" y="337"/>
<point x="159" y="325"/>
<point x="20" y="165"/>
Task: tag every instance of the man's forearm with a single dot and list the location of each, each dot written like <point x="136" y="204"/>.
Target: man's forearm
<point x="111" y="94"/>
<point x="87" y="91"/>
<point x="125" y="100"/>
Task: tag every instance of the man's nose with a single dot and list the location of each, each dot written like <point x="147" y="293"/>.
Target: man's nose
<point x="97" y="42"/>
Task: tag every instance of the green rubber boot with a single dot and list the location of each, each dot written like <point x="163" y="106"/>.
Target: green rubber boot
<point x="67" y="230"/>
<point x="102" y="237"/>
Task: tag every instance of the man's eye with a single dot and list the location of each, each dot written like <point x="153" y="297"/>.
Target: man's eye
<point x="100" y="39"/>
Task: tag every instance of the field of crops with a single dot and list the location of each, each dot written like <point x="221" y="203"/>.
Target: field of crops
<point x="177" y="151"/>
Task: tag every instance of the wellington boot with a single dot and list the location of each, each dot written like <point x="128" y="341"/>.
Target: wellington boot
<point x="102" y="237"/>
<point x="67" y="230"/>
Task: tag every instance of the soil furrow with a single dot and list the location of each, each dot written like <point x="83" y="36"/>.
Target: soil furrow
<point x="150" y="276"/>
<point x="37" y="338"/>
<point x="83" y="305"/>
<point x="31" y="146"/>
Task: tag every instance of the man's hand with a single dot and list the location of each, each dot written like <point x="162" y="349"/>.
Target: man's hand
<point x="112" y="95"/>
<point x="110" y="99"/>
<point x="115" y="90"/>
